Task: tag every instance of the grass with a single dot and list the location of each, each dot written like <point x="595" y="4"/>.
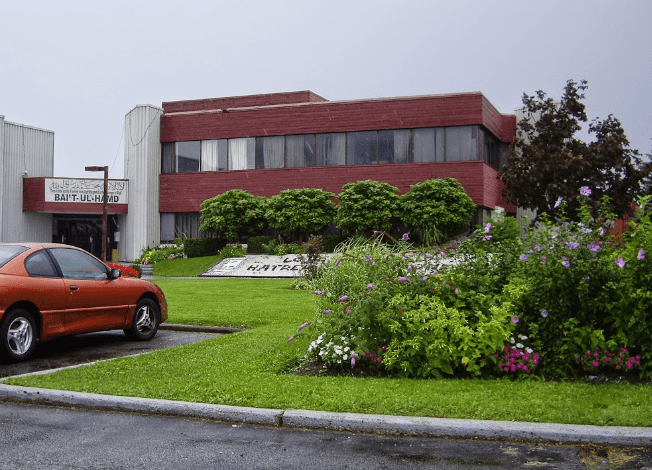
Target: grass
<point x="246" y="369"/>
<point x="180" y="267"/>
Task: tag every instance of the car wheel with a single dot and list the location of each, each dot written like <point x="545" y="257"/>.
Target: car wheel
<point x="146" y="321"/>
<point x="18" y="334"/>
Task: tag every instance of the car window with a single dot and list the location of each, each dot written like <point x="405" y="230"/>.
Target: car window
<point x="40" y="265"/>
<point x="75" y="264"/>
<point x="7" y="252"/>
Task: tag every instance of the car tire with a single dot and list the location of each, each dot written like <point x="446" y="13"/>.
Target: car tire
<point x="18" y="334"/>
<point x="146" y="321"/>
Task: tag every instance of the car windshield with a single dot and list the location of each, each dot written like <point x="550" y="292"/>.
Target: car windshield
<point x="7" y="252"/>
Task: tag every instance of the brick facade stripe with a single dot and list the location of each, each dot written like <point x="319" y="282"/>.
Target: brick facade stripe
<point x="184" y="192"/>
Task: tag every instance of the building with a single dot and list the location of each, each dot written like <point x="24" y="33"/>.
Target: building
<point x="188" y="151"/>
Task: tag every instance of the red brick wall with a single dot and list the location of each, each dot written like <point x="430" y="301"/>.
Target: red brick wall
<point x="332" y="116"/>
<point x="241" y="101"/>
<point x="184" y="192"/>
<point x="34" y="201"/>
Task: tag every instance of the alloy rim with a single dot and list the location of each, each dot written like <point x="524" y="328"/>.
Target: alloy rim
<point x="20" y="336"/>
<point x="144" y="320"/>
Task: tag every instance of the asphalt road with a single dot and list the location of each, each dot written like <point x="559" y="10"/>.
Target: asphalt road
<point x="80" y="349"/>
<point x="59" y="438"/>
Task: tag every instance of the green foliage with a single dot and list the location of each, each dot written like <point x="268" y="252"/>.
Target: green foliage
<point x="440" y="204"/>
<point x="233" y="214"/>
<point x="262" y="244"/>
<point x="198" y="247"/>
<point x="232" y="251"/>
<point x="300" y="211"/>
<point x="330" y="242"/>
<point x="502" y="228"/>
<point x="289" y="249"/>
<point x="547" y="161"/>
<point x="155" y="255"/>
<point x="367" y="206"/>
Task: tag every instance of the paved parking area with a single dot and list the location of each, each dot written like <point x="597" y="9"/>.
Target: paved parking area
<point x="74" y="350"/>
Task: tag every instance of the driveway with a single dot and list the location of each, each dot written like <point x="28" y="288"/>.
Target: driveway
<point x="80" y="349"/>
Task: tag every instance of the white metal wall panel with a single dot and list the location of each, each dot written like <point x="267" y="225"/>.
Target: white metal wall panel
<point x="27" y="151"/>
<point x="140" y="227"/>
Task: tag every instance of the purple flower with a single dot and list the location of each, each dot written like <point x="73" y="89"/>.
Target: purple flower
<point x="407" y="255"/>
<point x="620" y="262"/>
<point x="486" y="238"/>
<point x="566" y="263"/>
<point x="537" y="247"/>
<point x="514" y="318"/>
<point x="585" y="191"/>
<point x="442" y="254"/>
<point x="352" y="362"/>
<point x="593" y="247"/>
<point x="523" y="257"/>
<point x="425" y="278"/>
<point x="348" y="312"/>
<point x="344" y="298"/>
<point x="641" y="254"/>
<point x="544" y="313"/>
<point x="457" y="291"/>
<point x="337" y="263"/>
<point x="403" y="279"/>
<point x="367" y="258"/>
<point x="370" y="286"/>
<point x="573" y="245"/>
<point x="304" y="325"/>
<point x="559" y="201"/>
<point x="487" y="227"/>
<point x="290" y="338"/>
<point x="405" y="237"/>
<point x="318" y="292"/>
<point x="327" y="311"/>
<point x="428" y="255"/>
<point x="410" y="267"/>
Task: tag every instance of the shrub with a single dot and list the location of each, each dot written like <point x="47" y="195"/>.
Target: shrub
<point x="366" y="206"/>
<point x="127" y="271"/>
<point x="153" y="256"/>
<point x="262" y="244"/>
<point x="300" y="211"/>
<point x="329" y="242"/>
<point x="441" y="204"/>
<point x="290" y="249"/>
<point x="198" y="247"/>
<point x="232" y="251"/>
<point x="233" y="214"/>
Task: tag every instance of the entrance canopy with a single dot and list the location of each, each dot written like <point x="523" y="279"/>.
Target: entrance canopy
<point x="74" y="195"/>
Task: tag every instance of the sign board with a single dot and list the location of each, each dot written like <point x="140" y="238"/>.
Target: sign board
<point x="79" y="190"/>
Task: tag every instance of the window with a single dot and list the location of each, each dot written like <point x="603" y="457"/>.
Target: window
<point x="362" y="148"/>
<point x="270" y="152"/>
<point x="75" y="264"/>
<point x="330" y="149"/>
<point x="167" y="227"/>
<point x="40" y="265"/>
<point x="461" y="143"/>
<point x="300" y="150"/>
<point x="168" y="164"/>
<point x="7" y="252"/>
<point x="428" y="144"/>
<point x="242" y="154"/>
<point x="394" y="146"/>
<point x="213" y="155"/>
<point x="188" y="156"/>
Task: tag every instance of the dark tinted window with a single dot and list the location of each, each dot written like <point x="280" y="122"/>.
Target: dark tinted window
<point x="40" y="265"/>
<point x="7" y="252"/>
<point x="75" y="264"/>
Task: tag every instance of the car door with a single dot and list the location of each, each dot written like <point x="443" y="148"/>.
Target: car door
<point x="94" y="302"/>
<point x="45" y="289"/>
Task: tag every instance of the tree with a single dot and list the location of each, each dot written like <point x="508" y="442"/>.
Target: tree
<point x="300" y="211"/>
<point x="440" y="205"/>
<point x="366" y="206"/>
<point x="547" y="161"/>
<point x="233" y="214"/>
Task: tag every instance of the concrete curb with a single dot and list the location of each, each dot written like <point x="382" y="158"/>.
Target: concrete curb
<point x="353" y="422"/>
<point x="199" y="329"/>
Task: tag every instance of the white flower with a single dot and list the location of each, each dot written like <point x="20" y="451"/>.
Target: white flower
<point x="522" y="337"/>
<point x="345" y="357"/>
<point x="529" y="350"/>
<point x="346" y="349"/>
<point x="512" y="340"/>
<point x="519" y="345"/>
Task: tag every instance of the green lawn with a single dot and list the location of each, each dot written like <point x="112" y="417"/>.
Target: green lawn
<point x="246" y="369"/>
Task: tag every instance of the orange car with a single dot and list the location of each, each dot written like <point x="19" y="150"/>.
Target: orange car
<point x="49" y="290"/>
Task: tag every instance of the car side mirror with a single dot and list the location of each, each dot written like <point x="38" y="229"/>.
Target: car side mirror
<point x="115" y="273"/>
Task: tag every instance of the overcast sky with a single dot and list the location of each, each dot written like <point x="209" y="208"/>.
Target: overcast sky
<point x="77" y="67"/>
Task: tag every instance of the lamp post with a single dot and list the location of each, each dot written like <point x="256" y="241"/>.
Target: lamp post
<point x="105" y="169"/>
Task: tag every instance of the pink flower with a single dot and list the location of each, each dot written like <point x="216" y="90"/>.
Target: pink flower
<point x="585" y="191"/>
<point x="487" y="228"/>
<point x="370" y="286"/>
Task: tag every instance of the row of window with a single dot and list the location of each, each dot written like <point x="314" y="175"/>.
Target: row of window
<point x="434" y="144"/>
